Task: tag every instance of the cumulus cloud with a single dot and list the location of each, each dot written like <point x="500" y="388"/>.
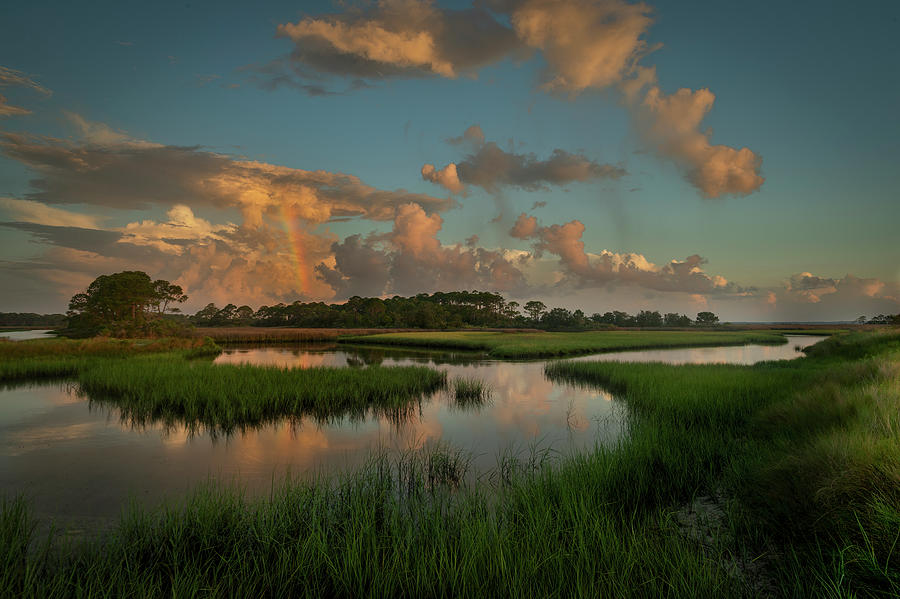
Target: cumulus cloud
<point x="268" y="256"/>
<point x="411" y="258"/>
<point x="395" y="38"/>
<point x="525" y="227"/>
<point x="583" y="269"/>
<point x="447" y="177"/>
<point x="182" y="228"/>
<point x="108" y="169"/>
<point x="220" y="263"/>
<point x="490" y="167"/>
<point x="586" y="43"/>
<point x="671" y="125"/>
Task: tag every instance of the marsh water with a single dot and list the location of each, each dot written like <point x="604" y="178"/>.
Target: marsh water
<point x="25" y="335"/>
<point x="80" y="462"/>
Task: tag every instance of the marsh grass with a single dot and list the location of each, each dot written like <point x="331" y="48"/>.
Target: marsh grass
<point x="170" y="381"/>
<point x="807" y="451"/>
<point x="469" y="391"/>
<point x="395" y="528"/>
<point x="538" y="345"/>
<point x="804" y="455"/>
<point x="239" y="335"/>
<point x="223" y="398"/>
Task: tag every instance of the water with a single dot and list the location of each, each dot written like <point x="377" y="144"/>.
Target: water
<point x="80" y="463"/>
<point x="23" y="335"/>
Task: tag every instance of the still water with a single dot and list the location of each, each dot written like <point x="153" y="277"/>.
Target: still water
<point x="24" y="335"/>
<point x="80" y="463"/>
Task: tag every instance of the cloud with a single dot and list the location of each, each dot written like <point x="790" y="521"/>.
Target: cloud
<point x="112" y="170"/>
<point x="396" y="38"/>
<point x="219" y="263"/>
<point x="411" y="259"/>
<point x="586" y="43"/>
<point x="183" y="228"/>
<point x="446" y="177"/>
<point x="581" y="269"/>
<point x="35" y="212"/>
<point x="490" y="167"/>
<point x="11" y="77"/>
<point x="808" y="297"/>
<point x="7" y="109"/>
<point x="101" y="134"/>
<point x="671" y="124"/>
<point x="472" y="135"/>
<point x="525" y="227"/>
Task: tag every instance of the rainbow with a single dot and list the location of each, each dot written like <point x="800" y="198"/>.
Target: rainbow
<point x="298" y="252"/>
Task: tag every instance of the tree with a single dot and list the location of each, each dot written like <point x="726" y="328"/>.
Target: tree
<point x="535" y="309"/>
<point x="167" y="293"/>
<point x="706" y="319"/>
<point x="645" y="318"/>
<point x="206" y="315"/>
<point x="121" y="303"/>
<point x="673" y="319"/>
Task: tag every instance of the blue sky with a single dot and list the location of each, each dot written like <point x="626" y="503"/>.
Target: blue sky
<point x="810" y="89"/>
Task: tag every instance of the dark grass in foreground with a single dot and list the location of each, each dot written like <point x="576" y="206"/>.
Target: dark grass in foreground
<point x="803" y="457"/>
<point x="537" y="345"/>
<point x="395" y="529"/>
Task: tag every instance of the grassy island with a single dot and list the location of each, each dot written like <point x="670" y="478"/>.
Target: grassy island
<point x="544" y="345"/>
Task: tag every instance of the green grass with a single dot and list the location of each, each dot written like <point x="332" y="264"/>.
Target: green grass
<point x="55" y="358"/>
<point x="469" y="391"/>
<point x="807" y="453"/>
<point x="538" y="345"/>
<point x="395" y="529"/>
<point x="226" y="397"/>
<point x="164" y="381"/>
<point x="801" y="458"/>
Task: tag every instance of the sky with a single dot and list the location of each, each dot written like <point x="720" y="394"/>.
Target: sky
<point x="594" y="154"/>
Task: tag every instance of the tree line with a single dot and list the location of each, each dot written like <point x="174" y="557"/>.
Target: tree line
<point x="440" y="310"/>
<point x="131" y="304"/>
<point x="30" y="319"/>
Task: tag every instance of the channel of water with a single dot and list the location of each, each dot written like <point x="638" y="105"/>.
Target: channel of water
<point x="79" y="462"/>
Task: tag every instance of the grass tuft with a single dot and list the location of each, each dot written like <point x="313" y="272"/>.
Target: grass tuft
<point x="469" y="390"/>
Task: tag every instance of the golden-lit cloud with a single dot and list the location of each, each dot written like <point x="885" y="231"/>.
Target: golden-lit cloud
<point x="113" y="170"/>
<point x="29" y="211"/>
<point x="446" y="177"/>
<point x="671" y="125"/>
<point x="586" y="43"/>
<point x="390" y="38"/>
<point x="584" y="269"/>
<point x="411" y="258"/>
